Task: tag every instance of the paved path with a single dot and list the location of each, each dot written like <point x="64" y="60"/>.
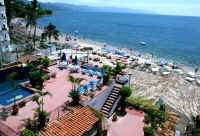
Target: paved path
<point x="130" y="125"/>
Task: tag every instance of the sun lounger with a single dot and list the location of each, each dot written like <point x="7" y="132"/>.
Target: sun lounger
<point x="81" y="90"/>
<point x="95" y="70"/>
<point x="100" y="75"/>
<point x="86" y="70"/>
<point x="190" y="79"/>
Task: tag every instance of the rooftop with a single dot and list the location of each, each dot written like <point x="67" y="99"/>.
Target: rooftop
<point x="75" y="123"/>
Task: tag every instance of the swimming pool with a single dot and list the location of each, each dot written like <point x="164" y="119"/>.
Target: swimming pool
<point x="7" y="93"/>
<point x="18" y="94"/>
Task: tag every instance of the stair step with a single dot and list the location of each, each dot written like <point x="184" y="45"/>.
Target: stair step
<point x="108" y="103"/>
<point x="107" y="106"/>
<point x="117" y="87"/>
<point x="105" y="109"/>
<point x="111" y="101"/>
<point x="113" y="96"/>
<point x="114" y="93"/>
<point x="105" y="112"/>
<point x="110" y="98"/>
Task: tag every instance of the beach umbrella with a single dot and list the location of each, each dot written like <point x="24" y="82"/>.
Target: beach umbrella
<point x="63" y="58"/>
<point x="93" y="82"/>
<point x="87" y="85"/>
<point x="76" y="60"/>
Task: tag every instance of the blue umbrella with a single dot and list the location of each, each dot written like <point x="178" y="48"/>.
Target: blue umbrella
<point x="63" y="58"/>
<point x="93" y="82"/>
<point x="87" y="85"/>
<point x="76" y="61"/>
<point x="81" y="89"/>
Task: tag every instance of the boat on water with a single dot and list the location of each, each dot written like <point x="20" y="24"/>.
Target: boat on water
<point x="142" y="43"/>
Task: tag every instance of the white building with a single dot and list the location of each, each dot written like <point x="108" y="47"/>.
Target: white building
<point x="4" y="33"/>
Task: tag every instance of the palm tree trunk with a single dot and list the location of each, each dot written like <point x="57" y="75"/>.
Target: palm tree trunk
<point x="34" y="36"/>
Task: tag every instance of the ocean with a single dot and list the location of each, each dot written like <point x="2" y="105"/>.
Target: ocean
<point x="174" y="38"/>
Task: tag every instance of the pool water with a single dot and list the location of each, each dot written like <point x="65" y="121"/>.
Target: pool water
<point x="8" y="98"/>
<point x="7" y="93"/>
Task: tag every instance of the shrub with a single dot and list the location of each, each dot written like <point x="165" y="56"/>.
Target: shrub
<point x="27" y="132"/>
<point x="45" y="77"/>
<point x="117" y="69"/>
<point x="12" y="76"/>
<point x="36" y="78"/>
<point x="106" y="79"/>
<point x="155" y="116"/>
<point x="196" y="132"/>
<point x="31" y="65"/>
<point x="75" y="95"/>
<point x="149" y="131"/>
<point x="125" y="92"/>
<point x="45" y="62"/>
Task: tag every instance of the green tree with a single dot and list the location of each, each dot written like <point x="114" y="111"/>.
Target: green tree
<point x="14" y="8"/>
<point x="45" y="62"/>
<point x="33" y="13"/>
<point x="41" y="113"/>
<point x="155" y="116"/>
<point x="75" y="82"/>
<point x="36" y="79"/>
<point x="149" y="131"/>
<point x="124" y="93"/>
<point x="118" y="69"/>
<point x="27" y="132"/>
<point x="50" y="31"/>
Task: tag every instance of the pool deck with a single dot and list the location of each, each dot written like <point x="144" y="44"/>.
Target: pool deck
<point x="130" y="125"/>
<point x="58" y="87"/>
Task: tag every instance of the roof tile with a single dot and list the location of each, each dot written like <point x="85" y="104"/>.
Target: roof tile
<point x="71" y="124"/>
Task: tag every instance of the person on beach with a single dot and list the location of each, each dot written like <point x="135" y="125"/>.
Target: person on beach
<point x="196" y="70"/>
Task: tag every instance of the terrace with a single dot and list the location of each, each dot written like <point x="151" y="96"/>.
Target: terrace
<point x="59" y="87"/>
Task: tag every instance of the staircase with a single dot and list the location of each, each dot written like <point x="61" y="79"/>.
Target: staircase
<point x="110" y="101"/>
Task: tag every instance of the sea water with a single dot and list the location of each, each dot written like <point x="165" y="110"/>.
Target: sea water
<point x="174" y="38"/>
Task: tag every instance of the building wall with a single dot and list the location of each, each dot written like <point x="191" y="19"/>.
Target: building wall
<point x="4" y="33"/>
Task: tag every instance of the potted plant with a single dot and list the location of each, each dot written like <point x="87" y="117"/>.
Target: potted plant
<point x="75" y="95"/>
<point x="22" y="104"/>
<point x="114" y="117"/>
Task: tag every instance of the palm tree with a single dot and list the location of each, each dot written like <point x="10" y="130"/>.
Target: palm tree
<point x="50" y="31"/>
<point x="39" y="100"/>
<point x="74" y="94"/>
<point x="75" y="82"/>
<point x="72" y="80"/>
<point x="33" y="13"/>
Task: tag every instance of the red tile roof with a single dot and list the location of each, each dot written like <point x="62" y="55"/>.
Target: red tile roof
<point x="75" y="123"/>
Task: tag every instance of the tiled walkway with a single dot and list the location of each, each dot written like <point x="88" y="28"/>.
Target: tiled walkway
<point x="130" y="125"/>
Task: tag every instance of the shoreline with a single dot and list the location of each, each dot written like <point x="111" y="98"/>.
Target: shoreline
<point x="136" y="53"/>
